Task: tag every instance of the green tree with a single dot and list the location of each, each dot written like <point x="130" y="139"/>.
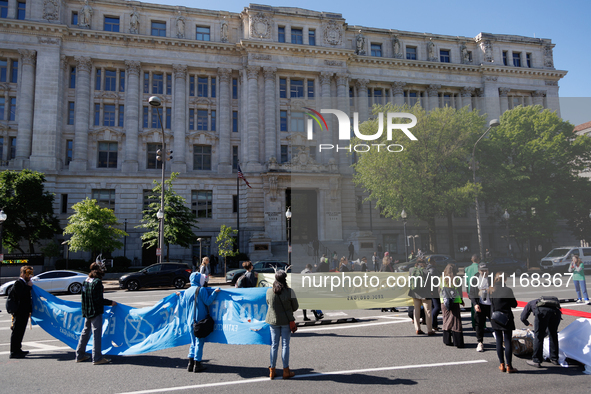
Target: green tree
<point x="179" y="220"/>
<point x="531" y="166"/>
<point x="29" y="210"/>
<point x="92" y="228"/>
<point x="430" y="176"/>
<point x="225" y="242"/>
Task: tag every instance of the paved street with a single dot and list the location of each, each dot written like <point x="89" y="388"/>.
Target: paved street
<point x="379" y="353"/>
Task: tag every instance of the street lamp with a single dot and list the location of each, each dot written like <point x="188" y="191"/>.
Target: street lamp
<point x="199" y="239"/>
<point x="403" y="215"/>
<point x="491" y="124"/>
<point x="288" y="216"/>
<point x="506" y="216"/>
<point x="2" y="219"/>
<point x="161" y="155"/>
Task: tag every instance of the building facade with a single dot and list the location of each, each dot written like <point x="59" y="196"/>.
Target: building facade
<point x="76" y="79"/>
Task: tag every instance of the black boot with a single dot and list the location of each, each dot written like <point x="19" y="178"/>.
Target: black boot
<point x="191" y="365"/>
<point x="448" y="338"/>
<point x="198" y="366"/>
<point x="305" y="317"/>
<point x="458" y="339"/>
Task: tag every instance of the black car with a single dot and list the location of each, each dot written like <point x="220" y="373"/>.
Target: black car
<point x="441" y="259"/>
<point x="506" y="264"/>
<point x="264" y="267"/>
<point x="165" y="274"/>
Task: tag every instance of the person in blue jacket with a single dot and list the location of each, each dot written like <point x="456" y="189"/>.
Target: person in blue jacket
<point x="188" y="302"/>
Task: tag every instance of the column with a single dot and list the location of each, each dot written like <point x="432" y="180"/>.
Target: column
<point x="225" y="129"/>
<point x="398" y="92"/>
<point x="528" y="100"/>
<point x="132" y="115"/>
<point x="252" y="75"/>
<point x="490" y="102"/>
<point x="12" y="11"/>
<point x="362" y="106"/>
<point x="467" y="97"/>
<point x="25" y="102"/>
<point x="270" y="113"/>
<point x="180" y="116"/>
<point x="82" y="115"/>
<point x="432" y="91"/>
<point x="343" y="105"/>
<point x="504" y="102"/>
<point x="326" y="103"/>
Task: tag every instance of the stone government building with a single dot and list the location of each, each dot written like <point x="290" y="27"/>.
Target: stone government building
<point x="76" y="78"/>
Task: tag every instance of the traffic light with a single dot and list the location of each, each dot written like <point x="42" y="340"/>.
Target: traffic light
<point x="169" y="152"/>
<point x="159" y="155"/>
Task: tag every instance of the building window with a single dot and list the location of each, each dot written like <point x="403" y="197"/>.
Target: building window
<point x="121" y="81"/>
<point x="528" y="59"/>
<point x="202" y="157"/>
<point x="111" y="24"/>
<point x="157" y="83"/>
<point x="107" y="155"/>
<point x="121" y="116"/>
<point x="235" y="121"/>
<point x="359" y="204"/>
<point x="297" y="36"/>
<point x="213" y="88"/>
<point x="297" y="122"/>
<point x="447" y="100"/>
<point x="74" y="18"/>
<point x="312" y="37"/>
<point x="202" y="33"/>
<point x="201" y="119"/>
<point x="504" y="58"/>
<point x="12" y="114"/>
<point x="153" y="163"/>
<point x="281" y="34"/>
<point x="159" y="29"/>
<point x="376" y="50"/>
<point x="516" y="59"/>
<point x="169" y="84"/>
<point x="282" y="87"/>
<point x="14" y="71"/>
<point x="191" y="119"/>
<point x="73" y="78"/>
<point x="12" y="152"/>
<point x="284" y="154"/>
<point x="64" y="203"/>
<point x="212" y="121"/>
<point x="105" y="198"/>
<point x="21" y="10"/>
<point x="464" y="242"/>
<point x="310" y="89"/>
<point x="191" y="86"/>
<point x="283" y="120"/>
<point x="234" y="88"/>
<point x="312" y="152"/>
<point x="71" y="112"/>
<point x="2" y="107"/>
<point x="146" y="117"/>
<point x="109" y="115"/>
<point x="3" y="9"/>
<point x="296" y="88"/>
<point x="110" y="80"/>
<point x="97" y="81"/>
<point x="377" y="96"/>
<point x="97" y="114"/>
<point x="234" y="203"/>
<point x="411" y="53"/>
<point x="235" y="158"/>
<point x="201" y="201"/>
<point x="201" y="86"/>
<point x="69" y="151"/>
<point x="146" y="82"/>
<point x="444" y="56"/>
<point x="156" y="118"/>
<point x="391" y="243"/>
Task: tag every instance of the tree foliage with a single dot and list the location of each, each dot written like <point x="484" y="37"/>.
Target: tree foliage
<point x="29" y="210"/>
<point x="531" y="166"/>
<point x="92" y="228"/>
<point x="179" y="220"/>
<point x="430" y="176"/>
<point x="225" y="243"/>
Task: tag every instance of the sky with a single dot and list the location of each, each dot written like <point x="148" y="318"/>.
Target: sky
<point x="566" y="23"/>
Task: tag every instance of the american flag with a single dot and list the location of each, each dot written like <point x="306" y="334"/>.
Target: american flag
<point x="241" y="176"/>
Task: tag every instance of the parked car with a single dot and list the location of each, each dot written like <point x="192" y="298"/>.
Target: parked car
<point x="54" y="282"/>
<point x="265" y="267"/>
<point x="165" y="274"/>
<point x="441" y="259"/>
<point x="506" y="264"/>
<point x="560" y="258"/>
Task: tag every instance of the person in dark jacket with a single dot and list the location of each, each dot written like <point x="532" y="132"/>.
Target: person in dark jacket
<point x="22" y="291"/>
<point x="93" y="306"/>
<point x="434" y="271"/>
<point x="480" y="299"/>
<point x="282" y="303"/>
<point x="547" y="320"/>
<point x="503" y="300"/>
<point x="250" y="277"/>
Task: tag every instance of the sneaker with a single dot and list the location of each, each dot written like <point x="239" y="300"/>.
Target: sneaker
<point x="480" y="347"/>
<point x="102" y="361"/>
<point x="554" y="362"/>
<point x="83" y="358"/>
<point x="306" y="319"/>
<point x="587" y="302"/>
<point x="579" y="301"/>
<point x="533" y="364"/>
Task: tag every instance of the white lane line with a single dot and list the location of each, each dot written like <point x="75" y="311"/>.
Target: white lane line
<point x="8" y="328"/>
<point x="311" y="375"/>
<point x="42" y="350"/>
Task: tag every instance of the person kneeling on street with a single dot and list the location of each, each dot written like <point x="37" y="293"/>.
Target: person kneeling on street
<point x="547" y="319"/>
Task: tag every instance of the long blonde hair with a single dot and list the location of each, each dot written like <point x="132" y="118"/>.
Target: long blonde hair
<point x="498" y="282"/>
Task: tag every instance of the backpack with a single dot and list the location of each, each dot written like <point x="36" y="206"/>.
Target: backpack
<point x="417" y="278"/>
<point x="548" y="302"/>
<point x="11" y="301"/>
<point x="239" y="283"/>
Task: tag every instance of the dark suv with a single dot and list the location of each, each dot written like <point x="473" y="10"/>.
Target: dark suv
<point x="165" y="274"/>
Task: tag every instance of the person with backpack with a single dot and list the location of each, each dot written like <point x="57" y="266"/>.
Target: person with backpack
<point x="249" y="278"/>
<point x="21" y="308"/>
<point x="434" y="271"/>
<point x="547" y="316"/>
<point x="93" y="307"/>
<point x="451" y="299"/>
<point x="421" y="294"/>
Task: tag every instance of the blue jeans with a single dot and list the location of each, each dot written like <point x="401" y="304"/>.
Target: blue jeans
<point x="94" y="326"/>
<point x="196" y="349"/>
<point x="580" y="285"/>
<point x="285" y="334"/>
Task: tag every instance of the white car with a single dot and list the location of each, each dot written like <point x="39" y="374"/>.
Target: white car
<point x="54" y="282"/>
